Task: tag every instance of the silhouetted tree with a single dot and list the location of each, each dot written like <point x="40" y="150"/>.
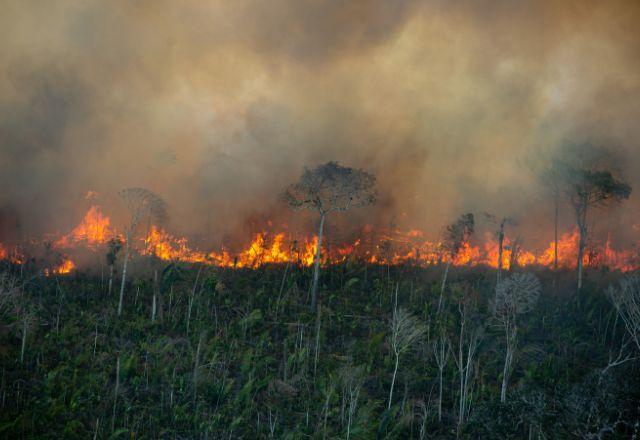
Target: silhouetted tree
<point x="325" y="189"/>
<point x="552" y="178"/>
<point x="455" y="237"/>
<point x="501" y="223"/>
<point x="113" y="248"/>
<point x="590" y="188"/>
<point x="141" y="204"/>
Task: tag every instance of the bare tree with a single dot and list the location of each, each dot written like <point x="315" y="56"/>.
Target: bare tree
<point x="552" y="177"/>
<point x="501" y="223"/>
<point x="325" y="189"/>
<point x="141" y="204"/>
<point x="406" y="330"/>
<point x="587" y="189"/>
<point x="471" y="332"/>
<point x="626" y="300"/>
<point x="352" y="379"/>
<point x="455" y="237"/>
<point x="441" y="347"/>
<point x="515" y="295"/>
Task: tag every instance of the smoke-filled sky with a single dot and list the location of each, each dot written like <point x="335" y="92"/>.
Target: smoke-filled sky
<point x="217" y="105"/>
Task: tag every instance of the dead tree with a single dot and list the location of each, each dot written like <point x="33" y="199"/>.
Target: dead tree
<point x="114" y="247"/>
<point x="465" y="351"/>
<point x="501" y="223"/>
<point x="406" y="330"/>
<point x="588" y="189"/>
<point x="456" y="235"/>
<point x="552" y="178"/>
<point x="441" y="348"/>
<point x="325" y="189"/>
<point x="141" y="204"/>
<point x="352" y="379"/>
<point x="626" y="300"/>
<point x="515" y="295"/>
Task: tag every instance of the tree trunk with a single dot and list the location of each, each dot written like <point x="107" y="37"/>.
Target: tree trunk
<point x="500" y="245"/>
<point x="110" y="279"/>
<point x="317" y="351"/>
<point x="506" y="372"/>
<point x="582" y="226"/>
<point x="25" y="328"/>
<point x="555" y="235"/>
<point x="580" y="257"/>
<point x="124" y="272"/>
<point x="393" y="381"/>
<point x="440" y="370"/>
<point x="444" y="283"/>
<point x="115" y="395"/>
<point x="316" y="267"/>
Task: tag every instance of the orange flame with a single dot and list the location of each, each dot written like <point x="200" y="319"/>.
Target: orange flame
<point x="94" y="229"/>
<point x="390" y="247"/>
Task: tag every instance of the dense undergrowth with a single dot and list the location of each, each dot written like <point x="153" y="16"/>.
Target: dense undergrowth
<point x="237" y="354"/>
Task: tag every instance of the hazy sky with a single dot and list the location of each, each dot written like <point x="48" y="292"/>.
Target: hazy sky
<point x="216" y="105"/>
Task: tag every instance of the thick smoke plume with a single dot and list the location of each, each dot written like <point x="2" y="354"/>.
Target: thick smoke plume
<point x="218" y="105"/>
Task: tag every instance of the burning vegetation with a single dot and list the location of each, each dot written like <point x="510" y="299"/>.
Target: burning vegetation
<point x="384" y="247"/>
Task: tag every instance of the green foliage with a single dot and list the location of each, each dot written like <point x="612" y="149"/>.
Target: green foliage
<point x="245" y="370"/>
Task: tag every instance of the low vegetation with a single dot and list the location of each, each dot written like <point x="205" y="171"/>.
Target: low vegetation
<point x="238" y="354"/>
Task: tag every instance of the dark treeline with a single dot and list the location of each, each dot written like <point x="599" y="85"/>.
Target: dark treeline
<point x="202" y="352"/>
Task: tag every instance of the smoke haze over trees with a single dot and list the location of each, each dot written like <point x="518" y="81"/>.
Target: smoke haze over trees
<point x="218" y="105"/>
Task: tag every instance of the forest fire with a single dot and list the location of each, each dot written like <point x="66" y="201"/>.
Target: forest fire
<point x="392" y="247"/>
<point x="93" y="230"/>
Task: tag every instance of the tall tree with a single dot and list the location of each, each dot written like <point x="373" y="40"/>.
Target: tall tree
<point x="552" y="177"/>
<point x="456" y="235"/>
<point x="141" y="204"/>
<point x="325" y="189"/>
<point x="586" y="189"/>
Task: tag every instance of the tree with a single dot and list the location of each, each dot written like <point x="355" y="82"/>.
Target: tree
<point x="586" y="189"/>
<point x="465" y="349"/>
<point x="114" y="247"/>
<point x="352" y="379"/>
<point x="441" y="348"/>
<point x="141" y="204"/>
<point x="515" y="295"/>
<point x="325" y="189"/>
<point x="406" y="329"/>
<point x="626" y="300"/>
<point x="456" y="235"/>
<point x="501" y="223"/>
<point x="552" y="178"/>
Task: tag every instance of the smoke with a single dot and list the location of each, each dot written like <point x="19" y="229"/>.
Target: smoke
<point x="217" y="106"/>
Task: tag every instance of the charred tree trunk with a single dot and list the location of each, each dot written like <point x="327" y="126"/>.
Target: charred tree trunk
<point x="500" y="246"/>
<point x="316" y="266"/>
